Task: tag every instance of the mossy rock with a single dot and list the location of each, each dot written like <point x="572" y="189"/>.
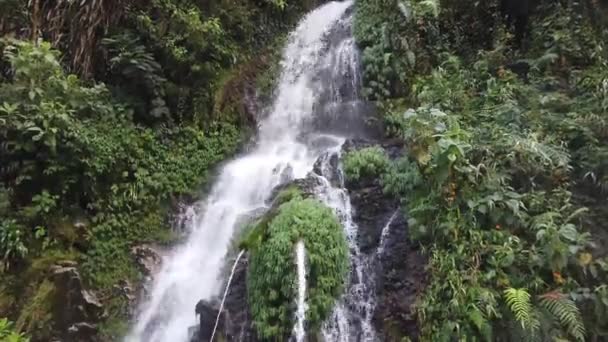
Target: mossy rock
<point x="271" y="280"/>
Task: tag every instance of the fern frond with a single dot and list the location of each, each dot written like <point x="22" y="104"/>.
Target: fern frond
<point x="518" y="301"/>
<point x="566" y="312"/>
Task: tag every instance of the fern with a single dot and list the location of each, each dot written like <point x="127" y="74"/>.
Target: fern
<point x="566" y="311"/>
<point x="518" y="301"/>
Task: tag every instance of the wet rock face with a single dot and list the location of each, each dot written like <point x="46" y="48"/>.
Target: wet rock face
<point x="235" y="323"/>
<point x="400" y="267"/>
<point x="76" y="310"/>
<point x="239" y="324"/>
<point x="372" y="207"/>
<point x="207" y="312"/>
<point x="327" y="166"/>
<point x="401" y="281"/>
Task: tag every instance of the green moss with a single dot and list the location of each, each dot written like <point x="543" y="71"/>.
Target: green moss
<point x="7" y="297"/>
<point x="37" y="313"/>
<point x="40" y="265"/>
<point x="115" y="327"/>
<point x="272" y="279"/>
<point x="256" y="233"/>
<point x="288" y="194"/>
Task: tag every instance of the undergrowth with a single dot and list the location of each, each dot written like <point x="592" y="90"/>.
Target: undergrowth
<point x="502" y="143"/>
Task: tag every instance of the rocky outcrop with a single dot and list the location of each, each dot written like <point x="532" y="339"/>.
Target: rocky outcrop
<point x="76" y="310"/>
<point x="148" y="258"/>
<point x="399" y="267"/>
<point x="235" y="322"/>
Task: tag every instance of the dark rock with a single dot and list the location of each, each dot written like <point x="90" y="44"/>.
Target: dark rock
<point x="400" y="283"/>
<point x="327" y="166"/>
<point x="126" y="290"/>
<point x="148" y="258"/>
<point x="75" y="309"/>
<point x="371" y="207"/>
<point x="82" y="332"/>
<point x="306" y="185"/>
<point x="239" y="323"/>
<point x="235" y="323"/>
<point x="207" y="311"/>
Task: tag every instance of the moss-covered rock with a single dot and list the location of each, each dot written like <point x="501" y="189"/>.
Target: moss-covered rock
<point x="271" y="280"/>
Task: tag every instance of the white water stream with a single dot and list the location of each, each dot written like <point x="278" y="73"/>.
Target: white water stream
<point x="319" y="78"/>
<point x="299" y="329"/>
<point x="219" y="314"/>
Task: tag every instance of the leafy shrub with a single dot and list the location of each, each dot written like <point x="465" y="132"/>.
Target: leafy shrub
<point x="366" y="162"/>
<point x="12" y="242"/>
<point x="272" y="284"/>
<point x="8" y="334"/>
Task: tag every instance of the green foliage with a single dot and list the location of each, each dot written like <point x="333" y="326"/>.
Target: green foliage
<point x="88" y="169"/>
<point x="518" y="301"/>
<point x="496" y="166"/>
<point x="37" y="314"/>
<point x="271" y="280"/>
<point x="566" y="311"/>
<point x="12" y="244"/>
<point x="72" y="154"/>
<point x="366" y="162"/>
<point x="7" y="333"/>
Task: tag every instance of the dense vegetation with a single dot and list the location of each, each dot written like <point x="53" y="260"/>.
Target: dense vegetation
<point x="110" y="111"/>
<point x="504" y="176"/>
<point x="272" y="281"/>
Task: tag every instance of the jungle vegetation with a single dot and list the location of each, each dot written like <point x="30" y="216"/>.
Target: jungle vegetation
<point x="111" y="111"/>
<point x="504" y="175"/>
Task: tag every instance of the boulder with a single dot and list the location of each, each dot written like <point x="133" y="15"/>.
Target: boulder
<point x="148" y="258"/>
<point x="76" y="310"/>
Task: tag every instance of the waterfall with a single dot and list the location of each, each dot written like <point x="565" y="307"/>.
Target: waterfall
<point x="219" y="313"/>
<point x="299" y="331"/>
<point x="316" y="106"/>
<point x="352" y="317"/>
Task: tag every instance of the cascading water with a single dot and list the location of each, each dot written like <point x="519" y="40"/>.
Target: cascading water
<point x="351" y="319"/>
<point x="299" y="331"/>
<point x="316" y="98"/>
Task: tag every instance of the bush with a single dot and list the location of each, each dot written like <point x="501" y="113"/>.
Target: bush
<point x="271" y="280"/>
<point x="8" y="334"/>
<point x="364" y="163"/>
